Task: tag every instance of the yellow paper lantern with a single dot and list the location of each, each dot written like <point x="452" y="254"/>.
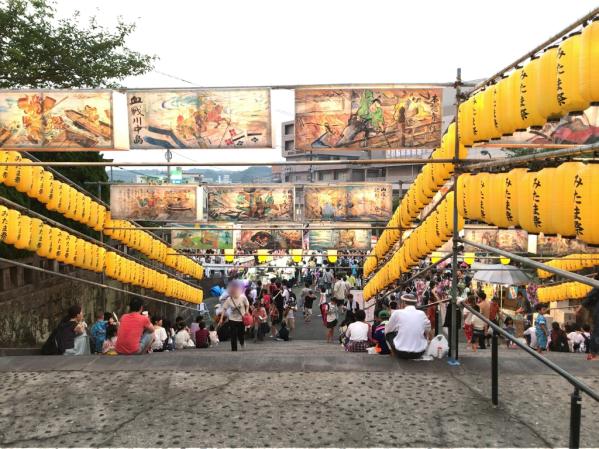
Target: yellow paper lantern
<point x="70" y="249"/>
<point x="563" y="202"/>
<point x="332" y="255"/>
<point x="485" y="196"/>
<point x="11" y="177"/>
<point x="589" y="62"/>
<point x="513" y="82"/>
<point x="55" y="193"/>
<point x="525" y="202"/>
<point x="24" y="177"/>
<point x="37" y="227"/>
<point x="37" y="176"/>
<point x="11" y="230"/>
<point x="473" y="197"/>
<point x="24" y="232"/>
<point x="465" y="121"/>
<point x="262" y="255"/>
<point x="543" y="199"/>
<point x="469" y="258"/>
<point x="546" y="85"/>
<point x="586" y="195"/>
<point x="46" y="187"/>
<point x="569" y="94"/>
<point x="504" y="260"/>
<point x="229" y="255"/>
<point x="45" y="245"/>
<point x="504" y="106"/>
<point x="529" y="109"/>
<point x="485" y="115"/>
<point x="5" y="156"/>
<point x="495" y="199"/>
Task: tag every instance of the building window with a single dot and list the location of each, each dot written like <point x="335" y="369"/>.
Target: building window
<point x="335" y="175"/>
<point x="289" y="129"/>
<point x="289" y="145"/>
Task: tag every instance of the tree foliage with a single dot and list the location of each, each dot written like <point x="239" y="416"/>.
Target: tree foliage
<point x="40" y="50"/>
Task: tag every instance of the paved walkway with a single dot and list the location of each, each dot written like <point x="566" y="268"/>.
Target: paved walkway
<point x="299" y="394"/>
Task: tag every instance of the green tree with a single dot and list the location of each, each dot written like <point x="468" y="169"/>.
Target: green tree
<point x="40" y="50"/>
<point x="37" y="49"/>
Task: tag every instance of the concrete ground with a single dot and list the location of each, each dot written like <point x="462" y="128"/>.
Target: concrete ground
<point x="303" y="393"/>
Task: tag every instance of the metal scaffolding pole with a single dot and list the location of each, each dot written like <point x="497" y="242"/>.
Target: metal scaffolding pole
<point x="524" y="160"/>
<point x="400" y="161"/>
<point x="533" y="263"/>
<point x="453" y="329"/>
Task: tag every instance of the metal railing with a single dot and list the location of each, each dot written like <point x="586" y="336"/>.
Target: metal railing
<point x="579" y="386"/>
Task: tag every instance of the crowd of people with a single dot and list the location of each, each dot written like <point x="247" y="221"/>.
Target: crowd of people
<point x="540" y="332"/>
<point x="135" y="333"/>
<point x="402" y="322"/>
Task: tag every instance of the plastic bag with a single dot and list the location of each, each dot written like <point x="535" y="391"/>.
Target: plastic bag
<point x="438" y="347"/>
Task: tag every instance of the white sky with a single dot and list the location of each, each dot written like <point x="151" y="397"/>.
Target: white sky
<point x="269" y="42"/>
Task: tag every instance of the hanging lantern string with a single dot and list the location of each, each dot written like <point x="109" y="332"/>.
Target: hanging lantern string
<point x="96" y="284"/>
<point x="29" y="212"/>
<point x="77" y="187"/>
<point x="589" y="16"/>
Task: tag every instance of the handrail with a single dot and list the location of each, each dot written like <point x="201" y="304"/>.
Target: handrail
<point x="545" y="361"/>
<point x="526" y="261"/>
<point x="424" y="306"/>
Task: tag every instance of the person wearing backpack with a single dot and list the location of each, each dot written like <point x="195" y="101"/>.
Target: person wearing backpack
<point x="69" y="337"/>
<point x="239" y="308"/>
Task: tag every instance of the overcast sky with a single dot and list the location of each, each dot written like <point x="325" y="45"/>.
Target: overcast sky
<point x="282" y="42"/>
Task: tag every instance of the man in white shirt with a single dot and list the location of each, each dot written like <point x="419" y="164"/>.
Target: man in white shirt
<point x="407" y="329"/>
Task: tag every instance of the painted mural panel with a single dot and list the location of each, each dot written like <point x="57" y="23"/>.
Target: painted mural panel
<point x="341" y="239"/>
<point x="56" y="119"/>
<point x="252" y="240"/>
<point x="155" y="202"/>
<point x="368" y="118"/>
<point x="512" y="240"/>
<point x="207" y="118"/>
<point x="250" y="203"/>
<point x="203" y="238"/>
<point x="570" y="130"/>
<point x="359" y="202"/>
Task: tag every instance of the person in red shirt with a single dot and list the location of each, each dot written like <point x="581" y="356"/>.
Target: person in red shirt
<point x="202" y="336"/>
<point x="136" y="333"/>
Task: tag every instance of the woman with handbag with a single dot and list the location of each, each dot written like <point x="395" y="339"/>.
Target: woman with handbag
<point x="239" y="316"/>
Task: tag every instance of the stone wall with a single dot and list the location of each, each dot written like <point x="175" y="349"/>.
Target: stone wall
<point x="32" y="303"/>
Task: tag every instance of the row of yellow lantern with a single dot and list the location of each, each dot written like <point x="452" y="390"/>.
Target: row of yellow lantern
<point x="571" y="262"/>
<point x="131" y="272"/>
<point x="563" y="79"/>
<point x="32" y="234"/>
<point x="436" y="230"/>
<point x="428" y="182"/>
<point x="57" y="196"/>
<point x="126" y="232"/>
<point x="562" y="200"/>
<point x="563" y="292"/>
<point x="60" y="197"/>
